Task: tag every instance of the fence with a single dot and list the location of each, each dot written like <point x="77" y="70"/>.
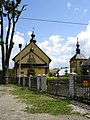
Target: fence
<point x="37" y="83"/>
<point x="76" y="87"/>
<point x="58" y="87"/>
<point x="82" y="88"/>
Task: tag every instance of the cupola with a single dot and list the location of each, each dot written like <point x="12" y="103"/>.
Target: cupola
<point x="77" y="49"/>
<point x="33" y="38"/>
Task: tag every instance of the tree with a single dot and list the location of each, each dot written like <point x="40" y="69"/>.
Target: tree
<point x="84" y="71"/>
<point x="31" y="71"/>
<point x="9" y="10"/>
<point x="66" y="72"/>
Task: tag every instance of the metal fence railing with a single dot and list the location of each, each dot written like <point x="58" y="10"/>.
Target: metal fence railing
<point x="58" y="87"/>
<point x="82" y="88"/>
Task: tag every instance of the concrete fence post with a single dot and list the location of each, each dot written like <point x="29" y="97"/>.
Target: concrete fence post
<point x="30" y="80"/>
<point x="23" y="81"/>
<point x="71" y="85"/>
<point x="19" y="80"/>
<point x="43" y="85"/>
<point x="38" y="82"/>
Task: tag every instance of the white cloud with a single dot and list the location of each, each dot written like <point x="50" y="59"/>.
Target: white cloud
<point x="85" y="11"/>
<point x="80" y="10"/>
<point x="18" y="39"/>
<point x="68" y="5"/>
<point x="60" y="51"/>
<point x="52" y="45"/>
<point x="29" y="34"/>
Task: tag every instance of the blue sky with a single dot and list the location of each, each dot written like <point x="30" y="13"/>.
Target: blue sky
<point x="57" y="40"/>
<point x="62" y="10"/>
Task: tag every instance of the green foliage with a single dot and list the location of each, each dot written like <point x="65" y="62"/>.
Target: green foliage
<point x="18" y="1"/>
<point x="11" y="73"/>
<point x="52" y="73"/>
<point x="11" y="8"/>
<point x="66" y="72"/>
<point x="11" y="80"/>
<point x="40" y="103"/>
<point x="84" y="71"/>
<point x="59" y="78"/>
<point x="1" y="42"/>
<point x="31" y="71"/>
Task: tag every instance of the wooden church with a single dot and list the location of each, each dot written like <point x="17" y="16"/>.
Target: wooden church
<point x="77" y="60"/>
<point x="31" y="58"/>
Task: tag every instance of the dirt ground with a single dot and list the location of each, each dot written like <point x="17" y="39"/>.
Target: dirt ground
<point x="12" y="108"/>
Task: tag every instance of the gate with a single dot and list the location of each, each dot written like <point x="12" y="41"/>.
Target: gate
<point x="58" y="87"/>
<point x="34" y="82"/>
<point x="82" y="88"/>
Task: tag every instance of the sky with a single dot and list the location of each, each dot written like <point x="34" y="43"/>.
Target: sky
<point x="57" y="40"/>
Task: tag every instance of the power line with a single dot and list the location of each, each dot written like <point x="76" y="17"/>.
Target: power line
<point x="54" y="21"/>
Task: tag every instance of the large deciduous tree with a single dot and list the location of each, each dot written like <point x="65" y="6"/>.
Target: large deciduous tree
<point x="9" y="11"/>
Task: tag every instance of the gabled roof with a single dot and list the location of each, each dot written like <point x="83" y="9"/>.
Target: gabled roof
<point x="34" y="42"/>
<point x="29" y="52"/>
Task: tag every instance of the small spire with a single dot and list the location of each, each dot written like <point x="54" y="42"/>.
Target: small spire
<point x="33" y="37"/>
<point x="77" y="49"/>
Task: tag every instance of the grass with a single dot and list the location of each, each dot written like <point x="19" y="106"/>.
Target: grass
<point x="40" y="103"/>
<point x="59" y="78"/>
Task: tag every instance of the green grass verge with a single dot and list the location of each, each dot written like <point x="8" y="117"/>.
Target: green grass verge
<point x="40" y="103"/>
<point x="57" y="78"/>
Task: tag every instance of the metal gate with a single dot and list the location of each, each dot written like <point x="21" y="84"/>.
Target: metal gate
<point x="58" y="87"/>
<point x="82" y="88"/>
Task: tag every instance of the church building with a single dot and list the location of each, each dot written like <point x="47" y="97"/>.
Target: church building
<point x="77" y="60"/>
<point x="31" y="58"/>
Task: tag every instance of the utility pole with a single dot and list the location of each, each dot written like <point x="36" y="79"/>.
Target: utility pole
<point x="20" y="46"/>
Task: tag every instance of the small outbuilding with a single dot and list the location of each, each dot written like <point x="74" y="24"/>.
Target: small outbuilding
<point x="77" y="60"/>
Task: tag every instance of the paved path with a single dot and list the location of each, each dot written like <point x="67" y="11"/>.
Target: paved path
<point x="12" y="108"/>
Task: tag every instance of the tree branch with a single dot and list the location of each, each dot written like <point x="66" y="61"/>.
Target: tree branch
<point x="20" y="13"/>
<point x="11" y="41"/>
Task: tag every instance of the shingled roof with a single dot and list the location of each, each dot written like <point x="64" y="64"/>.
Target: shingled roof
<point x="78" y="56"/>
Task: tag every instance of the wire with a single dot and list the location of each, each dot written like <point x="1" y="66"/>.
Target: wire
<point x="54" y="21"/>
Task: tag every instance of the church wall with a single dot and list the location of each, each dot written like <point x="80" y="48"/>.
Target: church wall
<point x="76" y="66"/>
<point x="31" y="54"/>
<point x="24" y="71"/>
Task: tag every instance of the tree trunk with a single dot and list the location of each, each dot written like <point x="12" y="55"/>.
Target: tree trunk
<point x="5" y="75"/>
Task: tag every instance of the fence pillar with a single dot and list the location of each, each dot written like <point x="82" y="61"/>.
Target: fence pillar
<point x="71" y="85"/>
<point x="30" y="80"/>
<point x="19" y="80"/>
<point x="23" y="81"/>
<point x="43" y="85"/>
<point x="38" y="82"/>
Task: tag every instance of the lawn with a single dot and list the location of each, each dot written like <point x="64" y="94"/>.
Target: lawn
<point x="41" y="103"/>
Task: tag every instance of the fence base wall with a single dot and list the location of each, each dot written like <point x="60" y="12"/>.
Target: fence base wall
<point x="39" y="85"/>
